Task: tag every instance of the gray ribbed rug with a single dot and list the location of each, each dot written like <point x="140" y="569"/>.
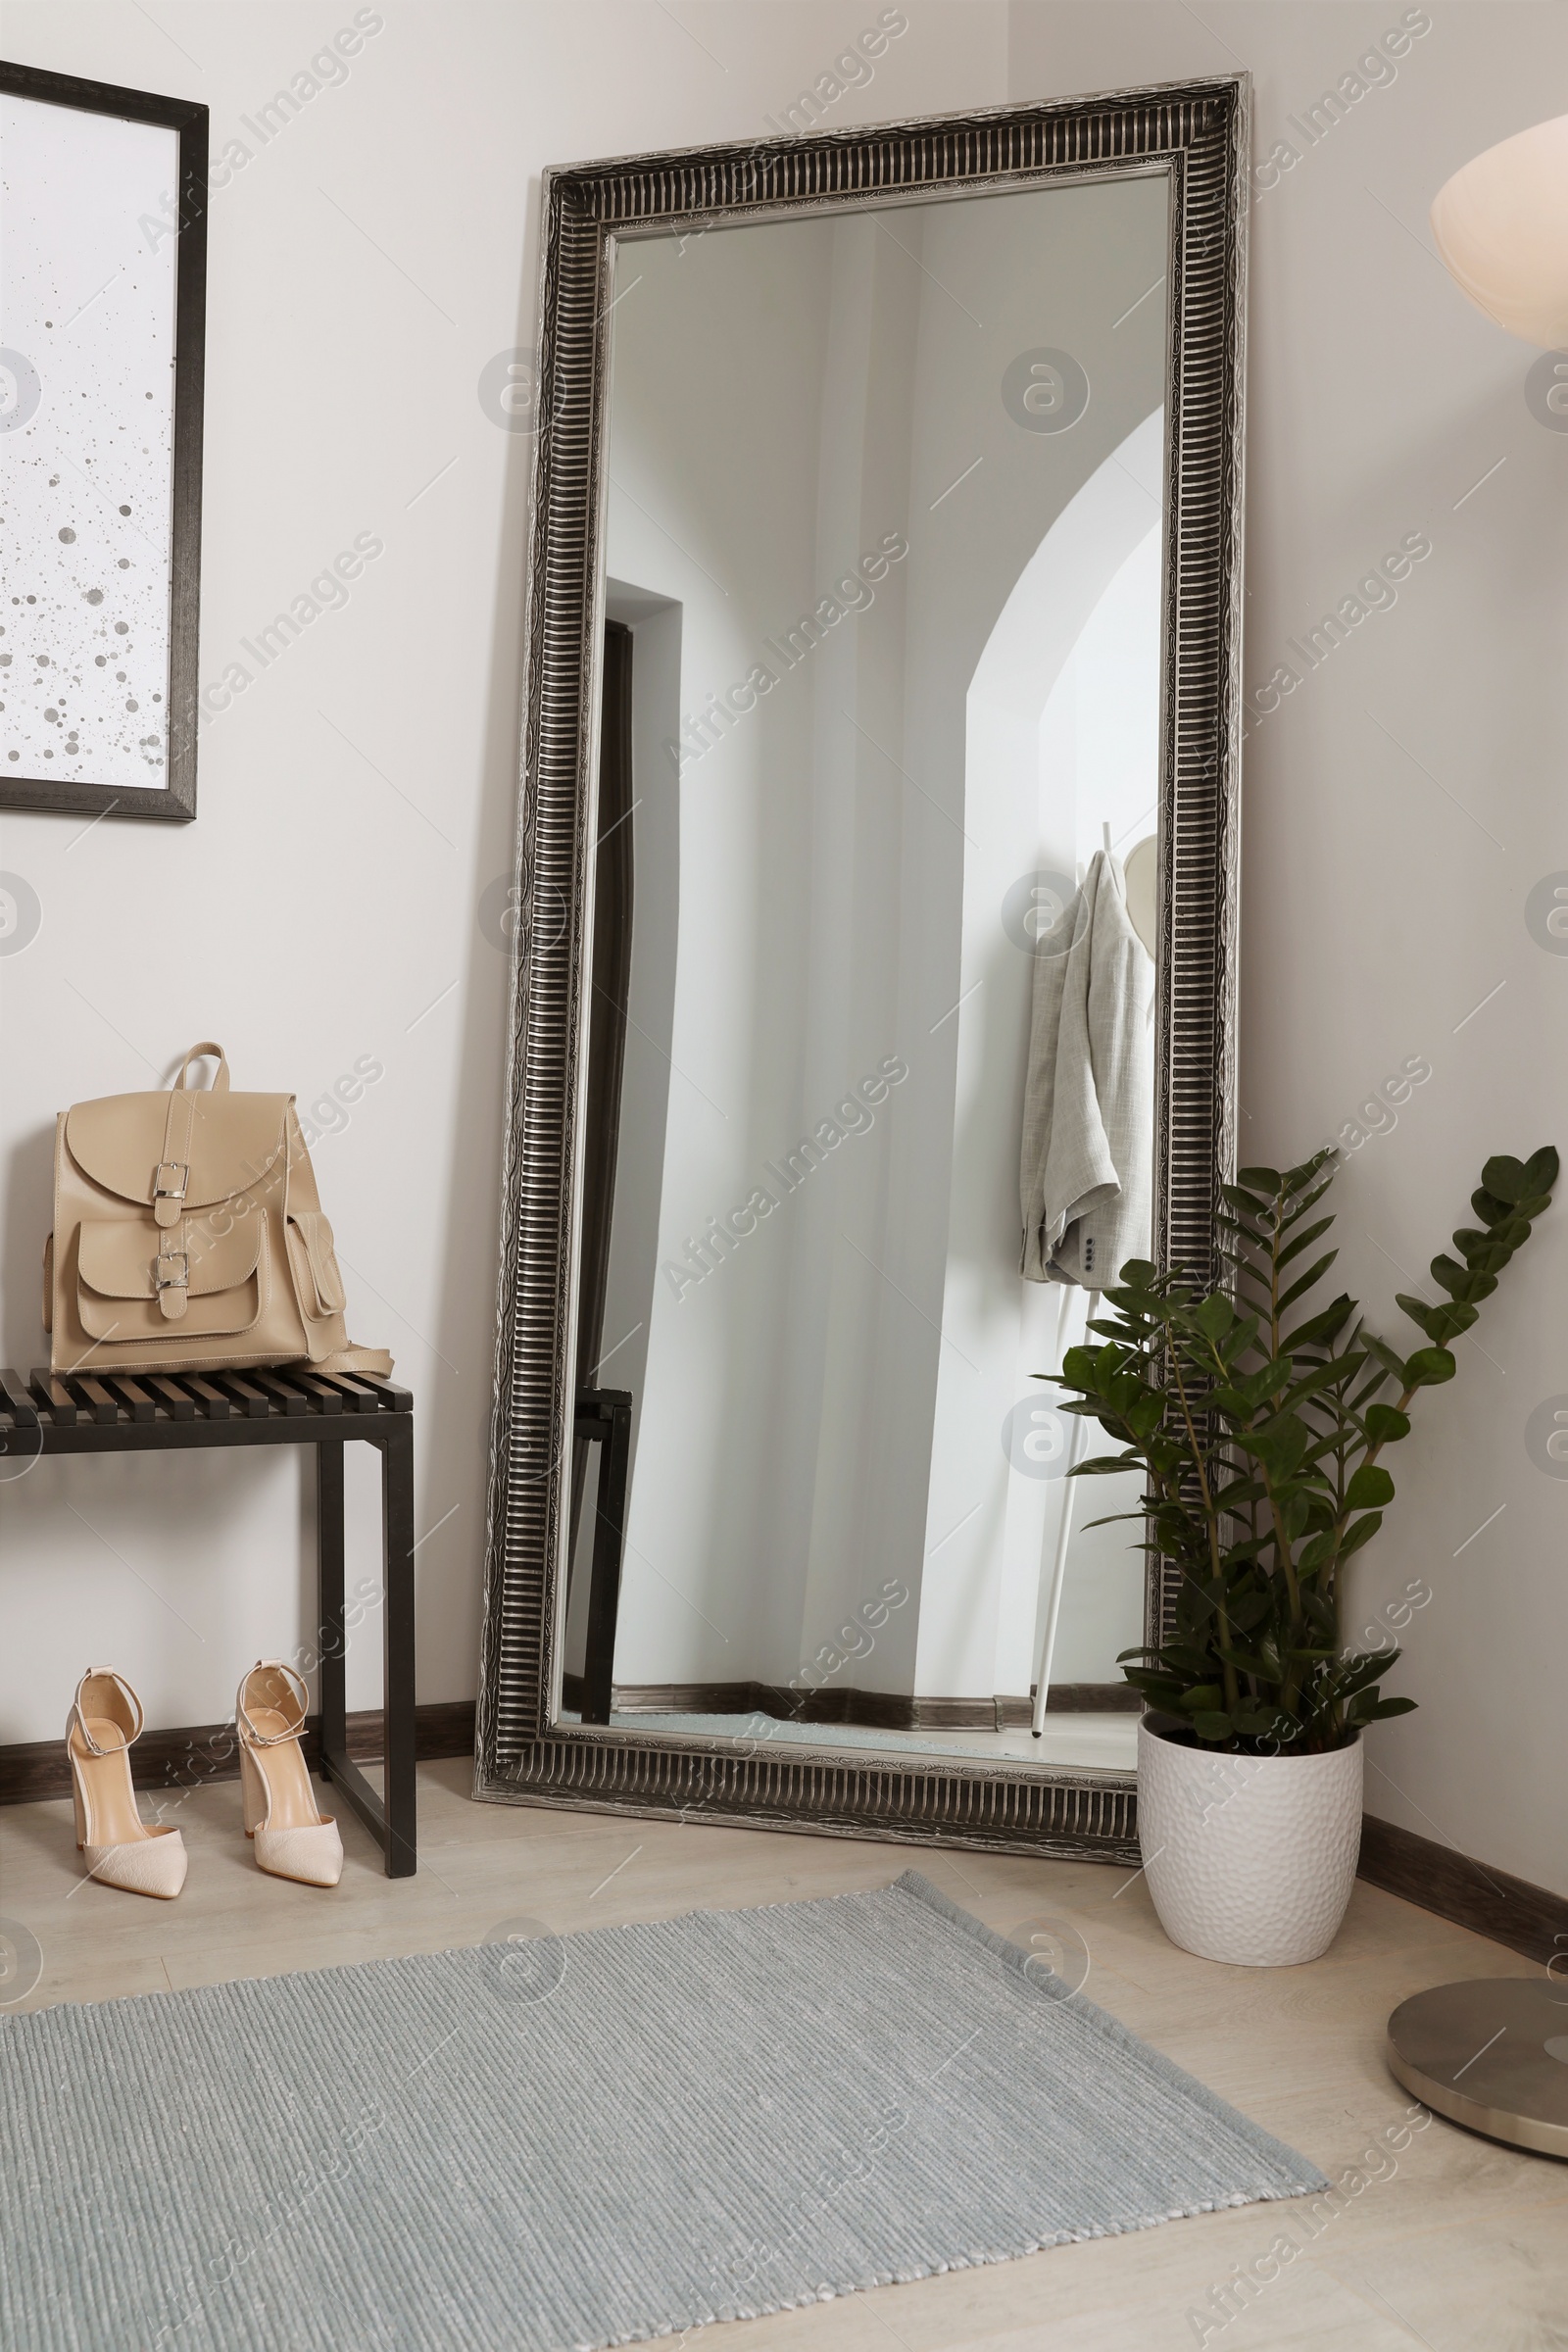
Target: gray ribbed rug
<point x="584" y="2142"/>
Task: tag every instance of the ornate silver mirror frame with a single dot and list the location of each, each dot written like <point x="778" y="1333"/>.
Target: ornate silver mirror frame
<point x="1197" y="133"/>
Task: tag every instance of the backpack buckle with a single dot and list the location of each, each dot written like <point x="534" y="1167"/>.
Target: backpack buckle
<point x="172" y="1282"/>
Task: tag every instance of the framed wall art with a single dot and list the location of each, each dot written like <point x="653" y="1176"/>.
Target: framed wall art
<point x="103" y="213"/>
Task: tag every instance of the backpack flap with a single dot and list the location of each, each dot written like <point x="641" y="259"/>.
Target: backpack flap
<point x="127" y="1269"/>
<point x="234" y="1142"/>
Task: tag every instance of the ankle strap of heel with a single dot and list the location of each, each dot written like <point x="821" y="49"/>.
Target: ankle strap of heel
<point x="295" y="1689"/>
<point x="77" y="1719"/>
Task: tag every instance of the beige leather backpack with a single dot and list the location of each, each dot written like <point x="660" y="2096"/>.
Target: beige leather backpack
<point x="189" y="1237"/>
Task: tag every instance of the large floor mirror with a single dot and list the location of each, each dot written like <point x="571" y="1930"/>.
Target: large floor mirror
<point x="875" y="981"/>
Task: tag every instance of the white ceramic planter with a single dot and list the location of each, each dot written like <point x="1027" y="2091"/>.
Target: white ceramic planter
<point x="1249" y="1859"/>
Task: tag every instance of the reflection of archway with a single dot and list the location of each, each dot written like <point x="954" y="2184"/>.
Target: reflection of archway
<point x="1064" y="580"/>
<point x="985" y="1527"/>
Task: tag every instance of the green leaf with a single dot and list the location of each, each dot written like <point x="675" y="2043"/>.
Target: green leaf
<point x="1255" y="1304"/>
<point x="1320" y="1611"/>
<point x="1215" y="1316"/>
<point x="1147" y="1415"/>
<point x="1385" y="1425"/>
<point x="1541" y="1170"/>
<point x="1152" y="1693"/>
<point x="1297" y="1178"/>
<point x="1429" y="1367"/>
<point x="1242" y="1659"/>
<point x="1504" y="1179"/>
<point x="1296" y="1514"/>
<point x="1365" y="1671"/>
<point x="1278" y="1447"/>
<point x="1487" y="1252"/>
<point x="1382" y="1353"/>
<point x="1383" y="1709"/>
<point x="1303" y="1241"/>
<point x="1323" y="1328"/>
<point x="1150" y="1676"/>
<point x="1370" y="1489"/>
<point x="1419" y="1312"/>
<point x="1369" y="1389"/>
<point x="1212" y="1727"/>
<point x="1465" y="1283"/>
<point x="1241" y="1338"/>
<point x="1322" y="1376"/>
<point x="1514" y="1189"/>
<point x="1267" y="1182"/>
<point x="1303" y="1203"/>
<point x="1241" y="1248"/>
<point x="1359" y="1532"/>
<point x="1264" y="1385"/>
<point x="1189" y="1659"/>
<point x="1208" y="1696"/>
<point x="1305" y="1282"/>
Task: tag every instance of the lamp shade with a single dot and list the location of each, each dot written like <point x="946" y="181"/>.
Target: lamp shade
<point x="1502" y="226"/>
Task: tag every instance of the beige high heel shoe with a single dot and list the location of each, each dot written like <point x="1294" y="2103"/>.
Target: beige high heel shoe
<point x="293" y="1839"/>
<point x="105" y="1720"/>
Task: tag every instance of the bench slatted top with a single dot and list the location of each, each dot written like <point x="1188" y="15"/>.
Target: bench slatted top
<point x="191" y="1408"/>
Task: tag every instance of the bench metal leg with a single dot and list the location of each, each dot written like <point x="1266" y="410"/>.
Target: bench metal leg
<point x="612" y="1423"/>
<point x="397" y="1540"/>
<point x="330" y="1559"/>
<point x="391" y="1818"/>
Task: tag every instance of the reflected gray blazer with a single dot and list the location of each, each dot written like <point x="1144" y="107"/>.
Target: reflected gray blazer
<point x="1086" y="1174"/>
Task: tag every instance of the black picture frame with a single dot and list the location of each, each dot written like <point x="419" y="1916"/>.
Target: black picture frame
<point x="1198" y="133"/>
<point x="175" y="801"/>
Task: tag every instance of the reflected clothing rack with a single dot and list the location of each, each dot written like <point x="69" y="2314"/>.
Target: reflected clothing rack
<point x="1058" y="1573"/>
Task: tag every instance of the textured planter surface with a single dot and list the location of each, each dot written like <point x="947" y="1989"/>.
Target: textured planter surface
<point x="1249" y="1859"/>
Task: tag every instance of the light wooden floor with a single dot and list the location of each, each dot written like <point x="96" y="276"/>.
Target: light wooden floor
<point x="1462" y="2244"/>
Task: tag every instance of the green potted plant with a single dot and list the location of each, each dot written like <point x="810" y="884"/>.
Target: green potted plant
<point x="1259" y="1422"/>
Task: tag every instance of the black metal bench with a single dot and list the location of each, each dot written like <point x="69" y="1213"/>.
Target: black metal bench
<point x="116" y="1412"/>
<point x="604" y="1417"/>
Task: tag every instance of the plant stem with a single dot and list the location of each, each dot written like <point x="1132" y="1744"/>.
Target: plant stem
<point x="1332" y="1564"/>
<point x="1232" y="1687"/>
<point x="1282" y="1543"/>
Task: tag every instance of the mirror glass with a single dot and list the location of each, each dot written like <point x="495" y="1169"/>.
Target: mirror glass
<point x="868" y="1108"/>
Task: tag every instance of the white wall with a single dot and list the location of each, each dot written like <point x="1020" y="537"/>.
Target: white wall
<point x="1401" y="803"/>
<point x="367" y="265"/>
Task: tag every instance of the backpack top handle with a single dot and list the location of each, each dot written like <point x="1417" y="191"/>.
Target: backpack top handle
<point x="219" y="1084"/>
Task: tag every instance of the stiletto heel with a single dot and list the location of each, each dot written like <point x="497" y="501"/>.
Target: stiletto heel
<point x="104" y="1723"/>
<point x="293" y="1838"/>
